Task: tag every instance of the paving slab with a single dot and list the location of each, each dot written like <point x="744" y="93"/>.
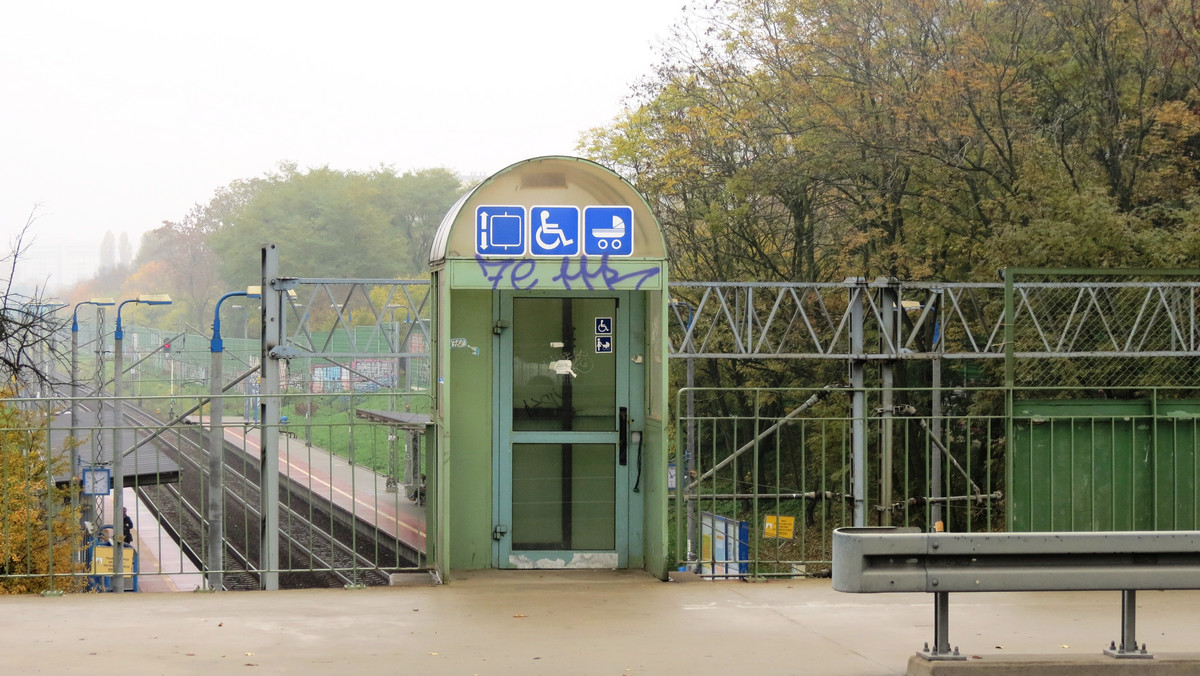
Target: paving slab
<point x="560" y="622"/>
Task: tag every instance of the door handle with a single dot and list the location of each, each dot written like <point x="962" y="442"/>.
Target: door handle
<point x="623" y="437"/>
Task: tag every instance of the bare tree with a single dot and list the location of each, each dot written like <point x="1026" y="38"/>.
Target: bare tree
<point x="27" y="321"/>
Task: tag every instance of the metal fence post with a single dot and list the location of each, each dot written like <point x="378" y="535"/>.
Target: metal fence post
<point x="216" y="468"/>
<point x="272" y="337"/>
<point x="936" y="490"/>
<point x="118" y="478"/>
<point x="890" y="309"/>
<point x="858" y="401"/>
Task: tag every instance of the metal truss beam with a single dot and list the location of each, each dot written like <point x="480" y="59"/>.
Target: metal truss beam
<point x="749" y="320"/>
<point x="357" y="318"/>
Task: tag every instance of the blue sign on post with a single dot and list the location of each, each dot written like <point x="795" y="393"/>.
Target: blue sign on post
<point x="500" y="230"/>
<point x="555" y="231"/>
<point x="608" y="231"/>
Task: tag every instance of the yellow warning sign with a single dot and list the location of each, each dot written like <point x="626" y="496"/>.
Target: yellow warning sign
<point x="102" y="563"/>
<point x="779" y="527"/>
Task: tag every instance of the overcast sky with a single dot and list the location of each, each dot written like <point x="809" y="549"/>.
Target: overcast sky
<point x="117" y="116"/>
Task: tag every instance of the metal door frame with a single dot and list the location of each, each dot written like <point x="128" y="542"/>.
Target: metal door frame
<point x="630" y="383"/>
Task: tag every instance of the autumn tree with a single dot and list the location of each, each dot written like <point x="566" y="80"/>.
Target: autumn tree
<point x="814" y="140"/>
<point x="39" y="529"/>
<point x="179" y="258"/>
<point x="920" y="139"/>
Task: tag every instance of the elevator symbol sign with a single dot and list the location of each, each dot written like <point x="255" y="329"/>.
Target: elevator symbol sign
<point x="500" y="230"/>
<point x="555" y="231"/>
<point x="608" y="231"/>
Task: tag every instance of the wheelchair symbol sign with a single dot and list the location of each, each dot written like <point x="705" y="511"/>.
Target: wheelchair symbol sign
<point x="555" y="231"/>
<point x="603" y="326"/>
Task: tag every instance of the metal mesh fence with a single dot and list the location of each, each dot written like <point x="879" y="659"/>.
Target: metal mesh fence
<point x="1117" y="331"/>
<point x="764" y="442"/>
<point x="780" y="462"/>
<point x="351" y="506"/>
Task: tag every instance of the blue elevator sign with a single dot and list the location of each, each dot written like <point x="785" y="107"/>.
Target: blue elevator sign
<point x="555" y="231"/>
<point x="500" y="230"/>
<point x="608" y="231"/>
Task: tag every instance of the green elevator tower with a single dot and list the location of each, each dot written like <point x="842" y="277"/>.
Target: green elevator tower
<point x="550" y="374"/>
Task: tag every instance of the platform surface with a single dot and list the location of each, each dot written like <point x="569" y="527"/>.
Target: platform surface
<point x="562" y="622"/>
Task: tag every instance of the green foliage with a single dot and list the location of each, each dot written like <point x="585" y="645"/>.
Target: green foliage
<point x="338" y="224"/>
<point x="328" y="223"/>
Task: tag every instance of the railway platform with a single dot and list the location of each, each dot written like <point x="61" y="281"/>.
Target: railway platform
<point x="358" y="490"/>
<point x="563" y="622"/>
<point x="162" y="567"/>
<point x="360" y="494"/>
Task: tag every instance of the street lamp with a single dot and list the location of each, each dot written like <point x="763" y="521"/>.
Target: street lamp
<point x="75" y="465"/>
<point x="118" y="541"/>
<point x="216" y="444"/>
<point x="245" y="319"/>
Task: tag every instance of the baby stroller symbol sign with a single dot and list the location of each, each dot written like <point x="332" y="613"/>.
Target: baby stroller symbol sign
<point x="608" y="231"/>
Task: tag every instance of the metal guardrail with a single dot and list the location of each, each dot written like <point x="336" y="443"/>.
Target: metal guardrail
<point x="872" y="560"/>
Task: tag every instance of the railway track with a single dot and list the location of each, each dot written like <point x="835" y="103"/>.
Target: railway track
<point x="319" y="547"/>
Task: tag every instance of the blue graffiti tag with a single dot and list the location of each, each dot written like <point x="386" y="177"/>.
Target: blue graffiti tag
<point x="499" y="271"/>
<point x="517" y="273"/>
<point x="605" y="273"/>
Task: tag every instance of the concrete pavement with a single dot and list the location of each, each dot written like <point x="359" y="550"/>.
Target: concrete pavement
<point x="560" y="622"/>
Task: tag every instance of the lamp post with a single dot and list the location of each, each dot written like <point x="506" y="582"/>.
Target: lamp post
<point x="118" y="540"/>
<point x="75" y="464"/>
<point x="216" y="444"/>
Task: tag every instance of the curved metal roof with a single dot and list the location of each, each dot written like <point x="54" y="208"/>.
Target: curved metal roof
<point x="553" y="180"/>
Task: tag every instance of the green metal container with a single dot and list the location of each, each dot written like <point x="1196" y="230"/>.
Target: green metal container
<point x="1104" y="465"/>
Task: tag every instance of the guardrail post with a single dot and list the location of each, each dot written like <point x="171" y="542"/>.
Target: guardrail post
<point x="941" y="631"/>
<point x="1129" y="646"/>
<point x="941" y="623"/>
<point x="1128" y="620"/>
